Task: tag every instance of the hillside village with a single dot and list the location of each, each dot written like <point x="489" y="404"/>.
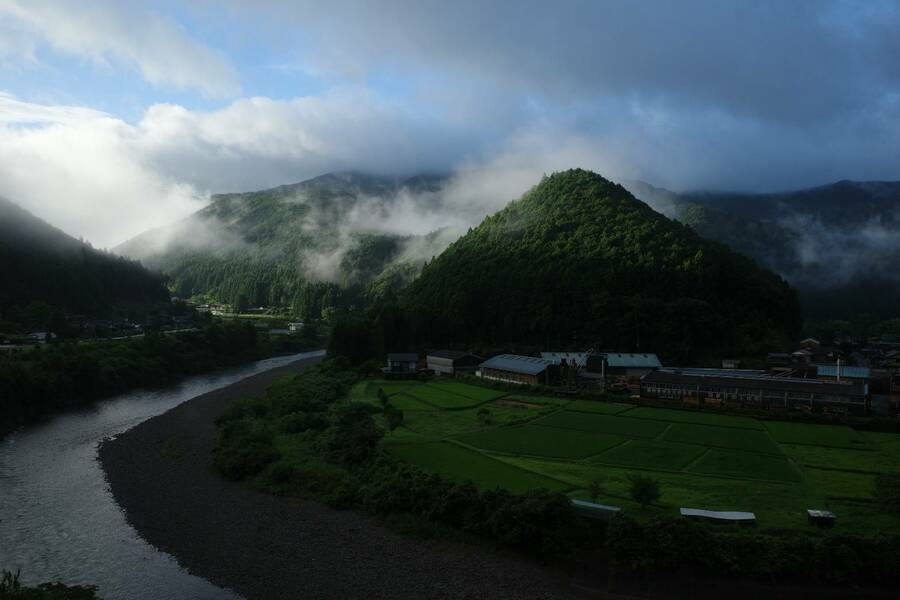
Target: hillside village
<point x="850" y="379"/>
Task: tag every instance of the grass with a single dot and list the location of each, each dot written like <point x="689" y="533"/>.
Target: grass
<point x="837" y="458"/>
<point x="598" y="406"/>
<point x="648" y="454"/>
<point x="461" y="464"/>
<point x="442" y="398"/>
<point x="406" y="402"/>
<point x="731" y="438"/>
<point x="607" y="424"/>
<point x="835" y="436"/>
<point x="474" y="392"/>
<point x="745" y="465"/>
<point x="438" y="424"/>
<point x="542" y="441"/>
<point x="693" y="416"/>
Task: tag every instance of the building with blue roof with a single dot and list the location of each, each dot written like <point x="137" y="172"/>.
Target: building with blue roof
<point x="512" y="368"/>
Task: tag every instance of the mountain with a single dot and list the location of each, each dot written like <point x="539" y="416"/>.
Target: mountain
<point x="839" y="244"/>
<point x="328" y="241"/>
<point x="39" y="264"/>
<point x="578" y="260"/>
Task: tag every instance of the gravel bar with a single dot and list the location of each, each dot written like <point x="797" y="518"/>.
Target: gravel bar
<point x="265" y="546"/>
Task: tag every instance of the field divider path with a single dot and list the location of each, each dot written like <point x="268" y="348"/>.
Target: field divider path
<point x="685" y="468"/>
<point x="494" y="455"/>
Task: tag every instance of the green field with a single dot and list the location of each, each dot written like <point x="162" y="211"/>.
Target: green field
<point x="835" y="436"/>
<point x="701" y="459"/>
<point x="610" y="424"/>
<point x="693" y="416"/>
<point x="598" y="406"/>
<point x="650" y="454"/>
<point x="463" y="464"/>
<point x="732" y="438"/>
<point x="439" y="397"/>
<point x="542" y="441"/>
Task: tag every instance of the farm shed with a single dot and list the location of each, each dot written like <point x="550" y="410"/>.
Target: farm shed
<point x="820" y="518"/>
<point x="843" y="373"/>
<point x="592" y="510"/>
<point x="612" y="364"/>
<point x="513" y="368"/>
<point x="720" y="516"/>
<point x="698" y="387"/>
<point x="449" y="362"/>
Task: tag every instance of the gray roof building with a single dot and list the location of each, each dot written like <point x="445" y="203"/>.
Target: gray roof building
<point x="526" y="365"/>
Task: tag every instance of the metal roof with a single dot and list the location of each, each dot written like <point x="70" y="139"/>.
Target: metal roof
<point x="625" y="360"/>
<point x="594" y="510"/>
<point x="449" y="354"/>
<point x="528" y="365"/>
<point x="820" y="514"/>
<point x="851" y="372"/>
<point x="721" y="515"/>
<point x="794" y="384"/>
<point x="579" y="358"/>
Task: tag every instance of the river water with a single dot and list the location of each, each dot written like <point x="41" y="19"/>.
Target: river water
<point x="58" y="519"/>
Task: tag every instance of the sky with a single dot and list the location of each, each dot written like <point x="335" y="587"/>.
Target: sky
<point x="120" y="116"/>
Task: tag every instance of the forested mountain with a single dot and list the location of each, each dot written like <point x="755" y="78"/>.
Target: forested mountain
<point x="320" y="243"/>
<point x="839" y="244"/>
<point x="579" y="261"/>
<point x="42" y="266"/>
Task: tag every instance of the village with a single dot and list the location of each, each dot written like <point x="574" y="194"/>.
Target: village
<point x="852" y="379"/>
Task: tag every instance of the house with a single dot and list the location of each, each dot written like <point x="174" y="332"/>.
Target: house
<point x="731" y="363"/>
<point x="295" y="327"/>
<point x="810" y="343"/>
<point x="40" y="337"/>
<point x="450" y="362"/>
<point x="401" y="362"/>
<point x="613" y="364"/>
<point x="705" y="387"/>
<point x="511" y="368"/>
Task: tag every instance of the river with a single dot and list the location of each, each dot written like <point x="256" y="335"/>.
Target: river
<point x="58" y="519"/>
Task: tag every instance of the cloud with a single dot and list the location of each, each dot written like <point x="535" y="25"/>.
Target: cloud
<point x="110" y="34"/>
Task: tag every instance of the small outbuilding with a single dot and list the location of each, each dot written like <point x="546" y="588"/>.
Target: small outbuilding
<point x="401" y="362"/>
<point x="820" y="518"/>
<point x="592" y="510"/>
<point x="512" y="368"/>
<point x="615" y="364"/>
<point x="450" y="362"/>
<point x="720" y="516"/>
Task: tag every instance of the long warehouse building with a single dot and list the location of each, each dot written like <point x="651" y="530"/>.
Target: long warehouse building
<point x="711" y="387"/>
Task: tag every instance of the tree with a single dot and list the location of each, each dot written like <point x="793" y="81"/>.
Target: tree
<point x="394" y="417"/>
<point x="644" y="490"/>
<point x="887" y="492"/>
<point x="382" y="397"/>
<point x="484" y="416"/>
<point x="594" y="489"/>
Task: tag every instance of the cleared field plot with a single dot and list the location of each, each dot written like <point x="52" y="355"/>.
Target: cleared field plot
<point x="480" y="394"/>
<point x="463" y="464"/>
<point x="391" y="387"/>
<point x="650" y="454"/>
<point x="534" y="400"/>
<point x="838" y="458"/>
<point x="692" y="416"/>
<point x="835" y="436"/>
<point x="746" y="465"/>
<point x="721" y="437"/>
<point x="407" y="402"/>
<point x="611" y="424"/>
<point x="439" y="424"/>
<point x="842" y="484"/>
<point x="441" y="398"/>
<point x="542" y="441"/>
<point x="598" y="406"/>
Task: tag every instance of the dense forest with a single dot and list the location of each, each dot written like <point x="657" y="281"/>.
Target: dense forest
<point x="291" y="246"/>
<point x="838" y="243"/>
<point x="578" y="261"/>
<point x="53" y="377"/>
<point x="43" y="270"/>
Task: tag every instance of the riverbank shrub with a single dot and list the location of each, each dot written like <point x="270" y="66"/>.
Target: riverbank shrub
<point x="12" y="589"/>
